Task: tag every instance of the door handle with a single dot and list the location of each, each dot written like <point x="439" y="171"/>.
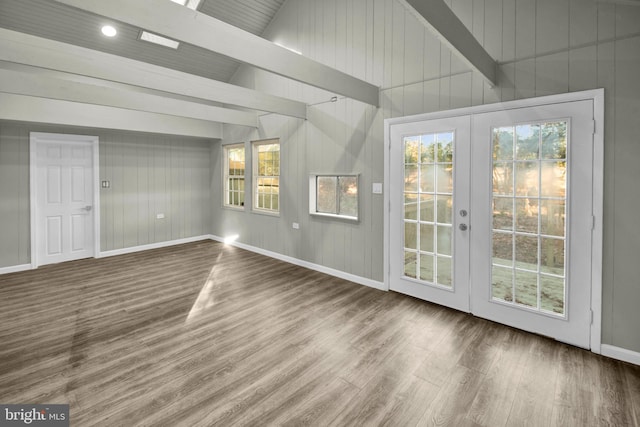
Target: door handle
<point x="88" y="208"/>
<point x="463" y="227"/>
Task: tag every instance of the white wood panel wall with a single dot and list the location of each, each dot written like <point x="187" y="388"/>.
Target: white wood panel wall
<point x="542" y="46"/>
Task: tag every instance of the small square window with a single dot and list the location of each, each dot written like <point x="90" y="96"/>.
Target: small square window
<point x="334" y="195"/>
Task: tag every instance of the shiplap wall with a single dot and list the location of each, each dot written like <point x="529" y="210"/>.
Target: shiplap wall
<point x="149" y="174"/>
<point x="14" y="197"/>
<point x="543" y="47"/>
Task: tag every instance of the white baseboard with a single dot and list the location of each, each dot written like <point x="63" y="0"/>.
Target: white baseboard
<point x="152" y="246"/>
<point x="620" y="354"/>
<point x="15" y="268"/>
<point x="306" y="264"/>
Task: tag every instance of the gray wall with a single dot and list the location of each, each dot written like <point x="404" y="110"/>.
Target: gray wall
<point x="14" y="196"/>
<point x="334" y="139"/>
<point x="149" y="174"/>
<point x="543" y="46"/>
<point x="152" y="174"/>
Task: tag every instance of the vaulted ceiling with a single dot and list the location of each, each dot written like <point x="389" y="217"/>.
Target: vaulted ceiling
<point x="56" y="21"/>
<point x="53" y="56"/>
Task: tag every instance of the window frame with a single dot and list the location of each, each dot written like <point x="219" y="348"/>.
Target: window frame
<point x="313" y="196"/>
<point x="255" y="161"/>
<point x="226" y="176"/>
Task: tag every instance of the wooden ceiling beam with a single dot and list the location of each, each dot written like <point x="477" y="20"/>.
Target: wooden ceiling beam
<point x="35" y="51"/>
<point x="441" y="20"/>
<point x="55" y="111"/>
<point x="171" y="20"/>
<point x="27" y="80"/>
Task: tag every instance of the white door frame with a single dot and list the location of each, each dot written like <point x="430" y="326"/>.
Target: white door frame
<point x="597" y="96"/>
<point x="40" y="137"/>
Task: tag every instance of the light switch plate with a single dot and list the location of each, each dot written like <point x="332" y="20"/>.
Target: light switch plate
<point x="377" y="188"/>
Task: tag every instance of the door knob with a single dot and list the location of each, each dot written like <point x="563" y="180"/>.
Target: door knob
<point x="88" y="208"/>
<point x="463" y="227"/>
<point x="463" y="213"/>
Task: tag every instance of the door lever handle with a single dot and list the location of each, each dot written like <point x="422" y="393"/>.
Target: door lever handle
<point x="88" y="208"/>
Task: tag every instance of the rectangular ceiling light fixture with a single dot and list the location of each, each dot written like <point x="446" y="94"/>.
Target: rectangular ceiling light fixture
<point x="191" y="4"/>
<point x="154" y="38"/>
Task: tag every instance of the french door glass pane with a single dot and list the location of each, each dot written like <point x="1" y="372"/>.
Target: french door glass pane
<point x="428" y="208"/>
<point x="529" y="210"/>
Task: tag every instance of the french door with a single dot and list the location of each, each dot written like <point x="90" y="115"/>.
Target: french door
<point x="429" y="192"/>
<point x="492" y="213"/>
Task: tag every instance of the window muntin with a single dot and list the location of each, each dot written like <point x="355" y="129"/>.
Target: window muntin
<point x="234" y="180"/>
<point x="266" y="175"/>
<point x="428" y="208"/>
<point x="334" y="195"/>
<point x="529" y="210"/>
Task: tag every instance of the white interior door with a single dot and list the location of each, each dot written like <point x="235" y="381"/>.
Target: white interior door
<point x="64" y="214"/>
<point x="493" y="212"/>
<point x="429" y="201"/>
<point x="533" y="219"/>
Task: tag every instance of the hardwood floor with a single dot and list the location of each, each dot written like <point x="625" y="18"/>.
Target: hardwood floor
<point x="203" y="334"/>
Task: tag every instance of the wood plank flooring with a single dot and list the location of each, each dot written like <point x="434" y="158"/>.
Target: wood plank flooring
<point x="204" y="334"/>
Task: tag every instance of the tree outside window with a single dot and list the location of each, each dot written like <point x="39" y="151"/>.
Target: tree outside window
<point x="234" y="175"/>
<point x="267" y="175"/>
<point x="335" y="195"/>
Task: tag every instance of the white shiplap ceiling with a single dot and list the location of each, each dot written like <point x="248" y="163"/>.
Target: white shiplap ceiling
<point x="55" y="21"/>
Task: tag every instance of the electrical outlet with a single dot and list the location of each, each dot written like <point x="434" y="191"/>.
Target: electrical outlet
<point x="160" y="216"/>
<point x="296" y="225"/>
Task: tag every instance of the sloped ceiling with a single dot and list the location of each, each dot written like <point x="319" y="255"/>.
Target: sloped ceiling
<point x="231" y="27"/>
<point x="55" y="21"/>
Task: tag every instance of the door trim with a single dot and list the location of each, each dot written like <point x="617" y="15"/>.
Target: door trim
<point x="597" y="96"/>
<point x="42" y="137"/>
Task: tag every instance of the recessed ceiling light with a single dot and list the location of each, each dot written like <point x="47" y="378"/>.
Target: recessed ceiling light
<point x="109" y="31"/>
<point x="154" y="38"/>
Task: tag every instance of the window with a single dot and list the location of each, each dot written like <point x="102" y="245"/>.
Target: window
<point x="529" y="215"/>
<point x="334" y="195"/>
<point x="234" y="175"/>
<point x="154" y="38"/>
<point x="191" y="4"/>
<point x="266" y="175"/>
